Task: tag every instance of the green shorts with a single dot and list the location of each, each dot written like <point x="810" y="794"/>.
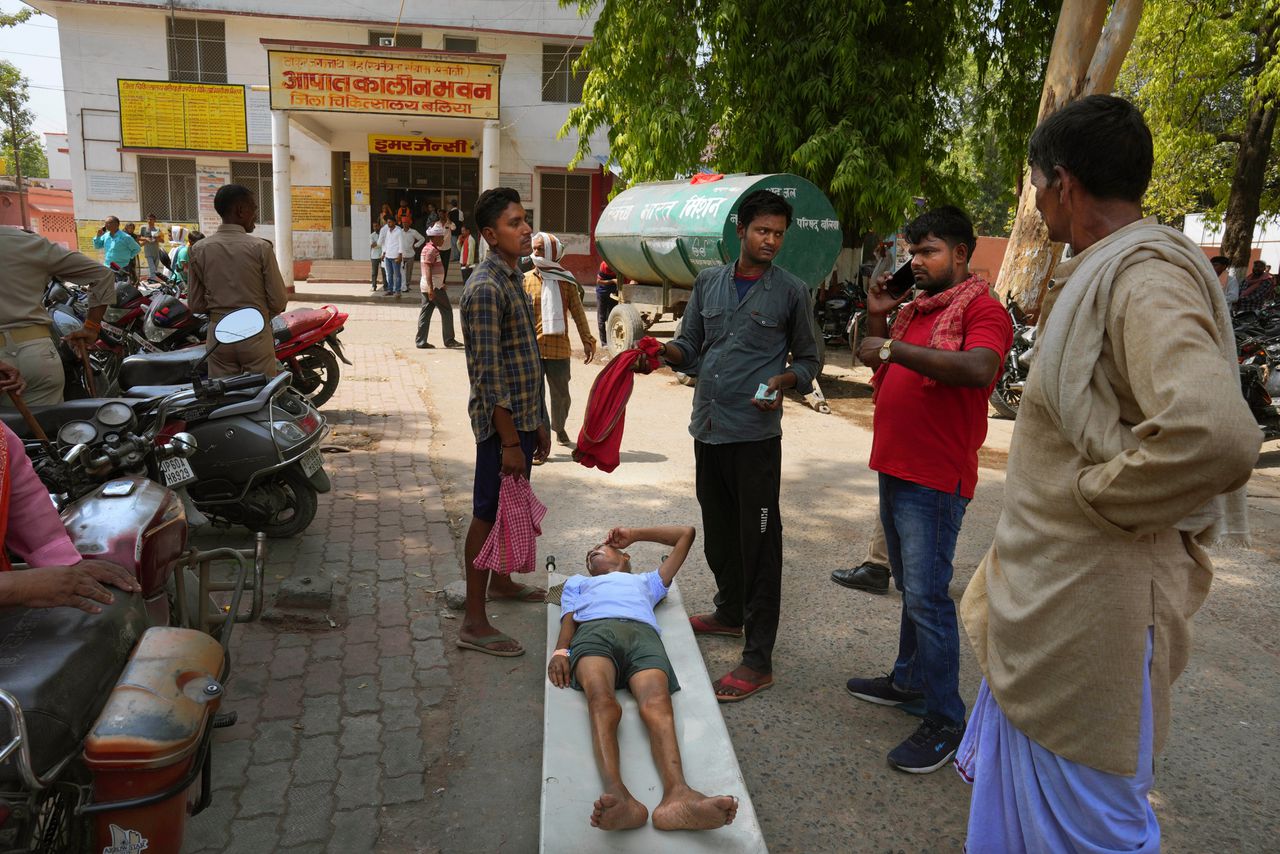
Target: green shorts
<point x="633" y="646"/>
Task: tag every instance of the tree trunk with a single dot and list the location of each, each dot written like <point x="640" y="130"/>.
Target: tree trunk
<point x="1085" y="59"/>
<point x="1245" y="198"/>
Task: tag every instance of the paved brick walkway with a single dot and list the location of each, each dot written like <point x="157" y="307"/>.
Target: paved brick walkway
<point x="331" y="722"/>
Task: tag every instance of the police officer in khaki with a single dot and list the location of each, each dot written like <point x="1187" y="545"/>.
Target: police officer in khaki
<point x="26" y="331"/>
<point x="232" y="269"/>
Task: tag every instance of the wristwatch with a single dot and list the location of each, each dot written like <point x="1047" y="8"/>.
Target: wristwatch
<point x="885" y="349"/>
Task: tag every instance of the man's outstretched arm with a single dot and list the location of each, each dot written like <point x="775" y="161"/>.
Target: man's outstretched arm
<point x="558" y="667"/>
<point x="679" y="537"/>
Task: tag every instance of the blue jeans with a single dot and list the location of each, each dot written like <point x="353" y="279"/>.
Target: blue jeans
<point x="391" y="270"/>
<point x="920" y="528"/>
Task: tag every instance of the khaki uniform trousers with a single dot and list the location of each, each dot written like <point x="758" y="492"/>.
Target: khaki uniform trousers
<point x="256" y="355"/>
<point x="32" y="351"/>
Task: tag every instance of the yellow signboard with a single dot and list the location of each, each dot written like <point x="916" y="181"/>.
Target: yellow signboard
<point x="360" y="182"/>
<point x="341" y="83"/>
<point x="186" y="116"/>
<point x="312" y="209"/>
<point x="422" y="146"/>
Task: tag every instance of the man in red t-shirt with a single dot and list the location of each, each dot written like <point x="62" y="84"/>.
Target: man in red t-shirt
<point x="933" y="375"/>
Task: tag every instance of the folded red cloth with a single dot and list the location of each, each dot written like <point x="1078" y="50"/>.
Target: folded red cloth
<point x="601" y="434"/>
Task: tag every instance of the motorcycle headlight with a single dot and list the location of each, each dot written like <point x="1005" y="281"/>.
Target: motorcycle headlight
<point x="287" y="431"/>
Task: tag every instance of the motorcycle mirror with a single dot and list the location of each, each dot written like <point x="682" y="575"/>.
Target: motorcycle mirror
<point x="239" y="325"/>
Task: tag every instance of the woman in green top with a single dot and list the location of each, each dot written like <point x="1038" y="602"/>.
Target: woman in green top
<point x="180" y="256"/>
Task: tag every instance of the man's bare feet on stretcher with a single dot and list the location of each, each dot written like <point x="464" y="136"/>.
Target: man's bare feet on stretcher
<point x="687" y="809"/>
<point x="613" y="812"/>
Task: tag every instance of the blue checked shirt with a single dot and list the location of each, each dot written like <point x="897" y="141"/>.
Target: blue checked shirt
<point x="503" y="361"/>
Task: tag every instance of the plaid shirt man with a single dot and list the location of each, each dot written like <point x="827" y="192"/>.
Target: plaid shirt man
<point x="503" y="361"/>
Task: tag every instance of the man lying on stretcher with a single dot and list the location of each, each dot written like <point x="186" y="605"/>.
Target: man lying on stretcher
<point x="608" y="639"/>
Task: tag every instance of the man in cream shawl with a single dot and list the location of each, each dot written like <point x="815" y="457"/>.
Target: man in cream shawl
<point x="554" y="292"/>
<point x="1131" y="445"/>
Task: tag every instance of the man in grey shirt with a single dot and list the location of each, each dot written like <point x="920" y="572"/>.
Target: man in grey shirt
<point x="742" y="321"/>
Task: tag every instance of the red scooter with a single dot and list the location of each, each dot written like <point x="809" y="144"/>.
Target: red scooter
<point x="301" y="336"/>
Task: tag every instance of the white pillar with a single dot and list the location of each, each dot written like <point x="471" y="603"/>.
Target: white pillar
<point x="281" y="184"/>
<point x="491" y="157"/>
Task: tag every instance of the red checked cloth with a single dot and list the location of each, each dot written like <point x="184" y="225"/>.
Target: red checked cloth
<point x="948" y="332"/>
<point x="512" y="545"/>
<point x="601" y="435"/>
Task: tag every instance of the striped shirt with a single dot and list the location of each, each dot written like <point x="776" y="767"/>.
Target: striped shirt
<point x="503" y="362"/>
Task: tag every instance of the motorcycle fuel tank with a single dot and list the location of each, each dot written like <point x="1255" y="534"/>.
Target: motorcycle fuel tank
<point x="134" y="522"/>
<point x="147" y="740"/>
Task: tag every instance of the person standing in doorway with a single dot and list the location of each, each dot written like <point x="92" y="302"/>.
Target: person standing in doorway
<point x="748" y="336"/>
<point x="554" y="293"/>
<point x="149" y="238"/>
<point x="455" y="216"/>
<point x="606" y="298"/>
<point x="467" y="247"/>
<point x="507" y="409"/>
<point x="404" y="214"/>
<point x="1129" y="455"/>
<point x="232" y="269"/>
<point x="391" y="237"/>
<point x="933" y="374"/>
<point x="375" y="259"/>
<point x="435" y="294"/>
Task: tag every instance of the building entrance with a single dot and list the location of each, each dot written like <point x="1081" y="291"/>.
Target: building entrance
<point x="423" y="182"/>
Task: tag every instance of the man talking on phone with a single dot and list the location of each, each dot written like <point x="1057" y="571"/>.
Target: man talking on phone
<point x="933" y="374"/>
<point x="742" y="321"/>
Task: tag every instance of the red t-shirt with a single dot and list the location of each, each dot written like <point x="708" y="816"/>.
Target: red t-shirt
<point x="930" y="435"/>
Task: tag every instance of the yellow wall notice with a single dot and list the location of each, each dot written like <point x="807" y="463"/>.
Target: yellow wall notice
<point x="380" y="84"/>
<point x="312" y="209"/>
<point x="360" y="182"/>
<point x="187" y="116"/>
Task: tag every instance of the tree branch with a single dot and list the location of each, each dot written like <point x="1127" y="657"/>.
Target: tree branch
<point x="1234" y="138"/>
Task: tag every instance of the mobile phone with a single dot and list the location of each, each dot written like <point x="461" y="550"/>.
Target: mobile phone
<point x="902" y="280"/>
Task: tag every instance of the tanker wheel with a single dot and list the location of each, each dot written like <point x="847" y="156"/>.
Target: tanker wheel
<point x="683" y="378"/>
<point x="625" y="327"/>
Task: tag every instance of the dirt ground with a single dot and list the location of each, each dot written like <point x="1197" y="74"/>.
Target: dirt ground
<point x="813" y="758"/>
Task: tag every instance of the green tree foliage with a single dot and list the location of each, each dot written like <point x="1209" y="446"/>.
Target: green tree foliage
<point x="1194" y="69"/>
<point x="16" y="118"/>
<point x="848" y="93"/>
<point x="19" y="17"/>
<point x="34" y="162"/>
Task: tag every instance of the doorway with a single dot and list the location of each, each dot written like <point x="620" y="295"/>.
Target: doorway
<point x="423" y="181"/>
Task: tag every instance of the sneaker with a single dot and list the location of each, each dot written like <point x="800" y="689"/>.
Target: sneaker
<point x="931" y="746"/>
<point x="883" y="692"/>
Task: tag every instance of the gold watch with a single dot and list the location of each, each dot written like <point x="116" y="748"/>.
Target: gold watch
<point x="885" y="350"/>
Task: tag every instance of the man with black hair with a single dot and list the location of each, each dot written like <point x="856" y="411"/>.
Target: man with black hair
<point x="1079" y="613"/>
<point x="933" y="374"/>
<point x="232" y="269"/>
<point x="742" y="323"/>
<point x="1258" y="289"/>
<point x="508" y="413"/>
<point x="1231" y="285"/>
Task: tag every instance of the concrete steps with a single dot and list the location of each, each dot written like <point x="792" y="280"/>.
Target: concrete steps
<point x="339" y="271"/>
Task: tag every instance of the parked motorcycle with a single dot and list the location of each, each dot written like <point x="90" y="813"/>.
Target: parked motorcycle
<point x="301" y="336"/>
<point x="1007" y="394"/>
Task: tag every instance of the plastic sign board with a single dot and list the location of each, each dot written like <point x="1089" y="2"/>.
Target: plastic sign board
<point x="343" y="83"/>
<point x="182" y="116"/>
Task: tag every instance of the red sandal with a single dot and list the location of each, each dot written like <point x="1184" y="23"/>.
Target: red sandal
<point x="745" y="688"/>
<point x="703" y="625"/>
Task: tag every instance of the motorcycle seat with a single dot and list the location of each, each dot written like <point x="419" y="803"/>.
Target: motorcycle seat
<point x="291" y="324"/>
<point x="146" y="392"/>
<point x="61" y="664"/>
<point x="165" y="368"/>
<point x="52" y="417"/>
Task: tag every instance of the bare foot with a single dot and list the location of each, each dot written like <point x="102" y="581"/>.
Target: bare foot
<point x="615" y="813"/>
<point x="687" y="809"/>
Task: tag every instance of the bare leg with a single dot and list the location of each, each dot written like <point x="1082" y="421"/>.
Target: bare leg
<point x="682" y="808"/>
<point x="616" y="809"/>
<point x="475" y="624"/>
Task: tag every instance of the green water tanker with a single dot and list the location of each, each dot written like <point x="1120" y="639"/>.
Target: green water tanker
<point x="659" y="236"/>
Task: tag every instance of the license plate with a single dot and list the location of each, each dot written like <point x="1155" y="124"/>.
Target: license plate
<point x="311" y="462"/>
<point x="176" y="471"/>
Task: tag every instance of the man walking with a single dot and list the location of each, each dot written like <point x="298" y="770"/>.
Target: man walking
<point x="466" y="253"/>
<point x="508" y="414"/>
<point x="118" y="246"/>
<point x="391" y="238"/>
<point x="232" y="269"/>
<point x="25" y="327"/>
<point x="742" y="321"/>
<point x="933" y="375"/>
<point x="435" y="294"/>
<point x="1131" y="427"/>
<point x="554" y="293"/>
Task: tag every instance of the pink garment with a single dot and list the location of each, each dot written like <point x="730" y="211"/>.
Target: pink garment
<point x="512" y="545"/>
<point x="432" y="265"/>
<point x="34" y="531"/>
